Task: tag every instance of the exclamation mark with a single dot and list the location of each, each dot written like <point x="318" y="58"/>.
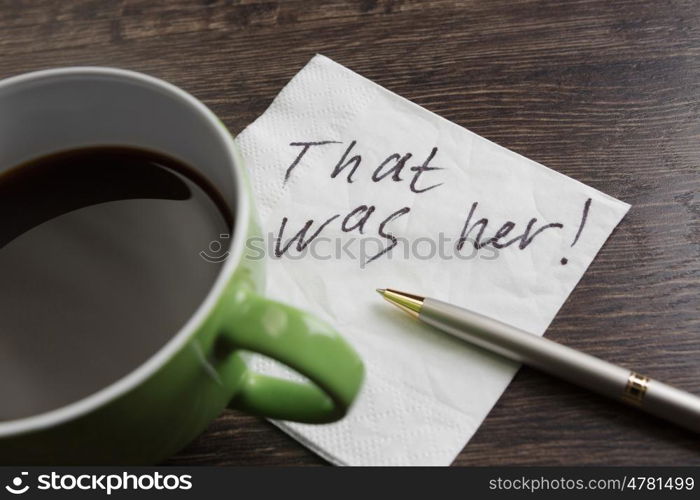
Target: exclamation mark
<point x="584" y="216"/>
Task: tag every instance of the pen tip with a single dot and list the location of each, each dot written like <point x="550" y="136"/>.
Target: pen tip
<point x="412" y="304"/>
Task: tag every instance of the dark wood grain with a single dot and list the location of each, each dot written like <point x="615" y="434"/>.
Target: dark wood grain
<point x="605" y="92"/>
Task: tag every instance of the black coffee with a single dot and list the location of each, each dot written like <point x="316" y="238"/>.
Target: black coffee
<point x="99" y="267"/>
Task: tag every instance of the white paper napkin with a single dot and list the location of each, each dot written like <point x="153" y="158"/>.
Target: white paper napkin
<point x="425" y="393"/>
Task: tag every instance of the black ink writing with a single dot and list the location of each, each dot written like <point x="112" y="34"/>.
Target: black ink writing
<point x="360" y="224"/>
<point x="299" y="237"/>
<point x="350" y="222"/>
<point x="389" y="236"/>
<point x="392" y="166"/>
<point x="305" y="148"/>
<point x="584" y="216"/>
<point x="586" y="207"/>
<point x="482" y="223"/>
<point x="393" y="171"/>
<point x="343" y="163"/>
<point x="524" y="240"/>
<point x="395" y="167"/>
<point x="422" y="169"/>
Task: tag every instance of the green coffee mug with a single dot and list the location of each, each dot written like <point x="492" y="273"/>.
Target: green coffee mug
<point x="166" y="402"/>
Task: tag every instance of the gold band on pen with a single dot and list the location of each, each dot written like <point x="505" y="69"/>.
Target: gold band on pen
<point x="409" y="303"/>
<point x="635" y="389"/>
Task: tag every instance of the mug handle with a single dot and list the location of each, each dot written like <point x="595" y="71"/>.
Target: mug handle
<point x="302" y="342"/>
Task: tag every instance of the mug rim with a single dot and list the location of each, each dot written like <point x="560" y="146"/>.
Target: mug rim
<point x="241" y="207"/>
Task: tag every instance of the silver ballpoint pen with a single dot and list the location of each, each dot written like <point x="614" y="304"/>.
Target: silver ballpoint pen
<point x="657" y="398"/>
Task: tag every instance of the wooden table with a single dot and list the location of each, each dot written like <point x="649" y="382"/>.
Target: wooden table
<point x="605" y="92"/>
